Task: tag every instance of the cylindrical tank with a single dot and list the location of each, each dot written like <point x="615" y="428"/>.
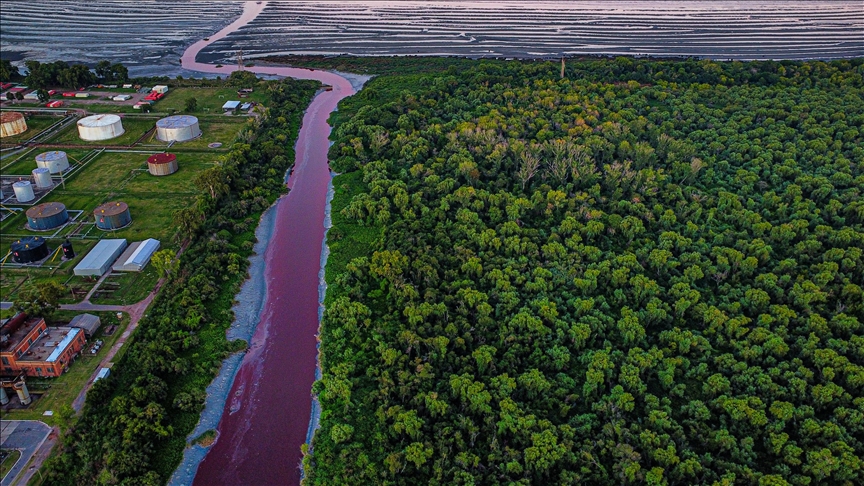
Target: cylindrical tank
<point x="4" y="398"/>
<point x="162" y="164"/>
<point x="23" y="394"/>
<point x="68" y="251"/>
<point x="112" y="215"/>
<point x="100" y="127"/>
<point x="178" y="128"/>
<point x="12" y="123"/>
<point x="29" y="249"/>
<point x="23" y="191"/>
<point x="55" y="161"/>
<point x="42" y="177"/>
<point x="47" y="216"/>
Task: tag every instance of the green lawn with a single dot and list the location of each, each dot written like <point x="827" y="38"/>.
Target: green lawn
<point x="35" y="125"/>
<point x="63" y="390"/>
<point x="134" y="127"/>
<point x="210" y="100"/>
<point x="126" y="288"/>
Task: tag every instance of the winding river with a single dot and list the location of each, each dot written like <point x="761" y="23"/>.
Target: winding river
<point x="267" y="416"/>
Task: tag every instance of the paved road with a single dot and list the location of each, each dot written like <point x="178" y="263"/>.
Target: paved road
<point x="24" y="435"/>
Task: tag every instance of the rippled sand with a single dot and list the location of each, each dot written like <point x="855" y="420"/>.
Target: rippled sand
<point x="717" y="29"/>
<point x="146" y="33"/>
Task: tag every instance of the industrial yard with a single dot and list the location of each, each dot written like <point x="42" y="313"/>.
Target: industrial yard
<point x="81" y="176"/>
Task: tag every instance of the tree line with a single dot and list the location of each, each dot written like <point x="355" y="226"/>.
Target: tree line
<point x="643" y="273"/>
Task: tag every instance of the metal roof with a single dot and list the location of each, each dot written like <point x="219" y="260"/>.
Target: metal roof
<point x="162" y="158"/>
<point x="100" y="257"/>
<point x="230" y="105"/>
<point x="98" y="121"/>
<point x="111" y="208"/>
<point x="88" y="322"/>
<point x="46" y="210"/>
<point x="56" y="154"/>
<point x="70" y="336"/>
<point x="139" y="257"/>
<point x="177" y="121"/>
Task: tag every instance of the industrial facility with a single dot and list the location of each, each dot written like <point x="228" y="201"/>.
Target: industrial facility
<point x="12" y="123"/>
<point x="23" y="191"/>
<point x="47" y="216"/>
<point x="100" y="127"/>
<point x="136" y="256"/>
<point x="42" y="178"/>
<point x="100" y="258"/>
<point x="30" y="249"/>
<point x="113" y="215"/>
<point x="178" y="128"/>
<point x="162" y="164"/>
<point x="55" y="161"/>
<point x="30" y="347"/>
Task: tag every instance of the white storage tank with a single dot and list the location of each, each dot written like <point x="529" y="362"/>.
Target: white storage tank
<point x="23" y="191"/>
<point x="42" y="177"/>
<point x="12" y="123"/>
<point x="56" y="161"/>
<point x="100" y="127"/>
<point x="178" y="128"/>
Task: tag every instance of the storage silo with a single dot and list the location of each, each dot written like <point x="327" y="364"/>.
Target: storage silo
<point x="23" y="191"/>
<point x="162" y="164"/>
<point x="100" y="127"/>
<point x="12" y="123"/>
<point x="55" y="161"/>
<point x="178" y="128"/>
<point x="113" y="215"/>
<point x="47" y="216"/>
<point x="29" y="249"/>
<point x="42" y="177"/>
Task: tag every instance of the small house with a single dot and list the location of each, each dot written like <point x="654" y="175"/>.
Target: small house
<point x="87" y="323"/>
<point x="230" y="107"/>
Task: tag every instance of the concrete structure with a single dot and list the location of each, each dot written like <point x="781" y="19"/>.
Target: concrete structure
<point x="103" y="373"/>
<point x="87" y="323"/>
<point x="100" y="127"/>
<point x="113" y="215"/>
<point x="136" y="257"/>
<point x="100" y="258"/>
<point x="29" y="249"/>
<point x="55" y="161"/>
<point x="23" y="191"/>
<point x="230" y="106"/>
<point x="47" y="216"/>
<point x="122" y="97"/>
<point x="29" y="346"/>
<point x="42" y="177"/>
<point x="162" y="164"/>
<point x="12" y="123"/>
<point x="177" y="128"/>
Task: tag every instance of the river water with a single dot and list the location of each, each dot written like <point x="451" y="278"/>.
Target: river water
<point x="267" y="414"/>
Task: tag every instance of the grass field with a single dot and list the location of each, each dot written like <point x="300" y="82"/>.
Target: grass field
<point x="35" y="125"/>
<point x="126" y="288"/>
<point x="210" y="100"/>
<point x="60" y="391"/>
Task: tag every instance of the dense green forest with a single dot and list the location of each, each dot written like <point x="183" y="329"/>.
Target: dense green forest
<point x="644" y="273"/>
<point x="134" y="425"/>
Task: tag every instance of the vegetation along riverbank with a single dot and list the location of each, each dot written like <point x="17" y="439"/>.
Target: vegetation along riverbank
<point x="640" y="273"/>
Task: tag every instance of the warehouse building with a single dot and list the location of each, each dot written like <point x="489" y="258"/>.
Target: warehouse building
<point x="136" y="256"/>
<point x="100" y="258"/>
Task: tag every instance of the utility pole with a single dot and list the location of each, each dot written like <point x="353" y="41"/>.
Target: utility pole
<point x="562" y="67"/>
<point x="240" y="60"/>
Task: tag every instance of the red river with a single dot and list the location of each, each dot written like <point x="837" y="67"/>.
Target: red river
<point x="266" y="417"/>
